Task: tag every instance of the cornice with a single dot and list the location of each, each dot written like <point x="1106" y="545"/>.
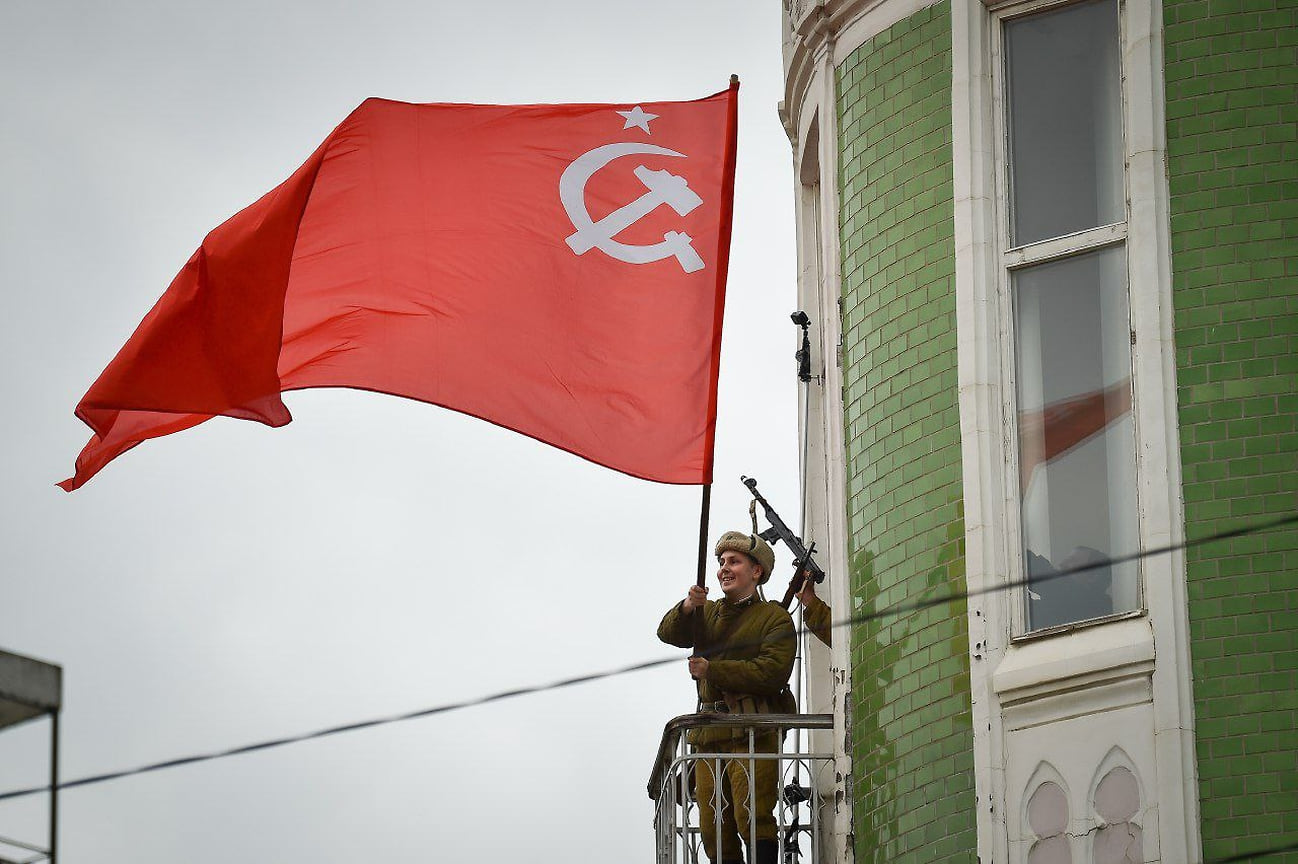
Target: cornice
<point x="812" y="28"/>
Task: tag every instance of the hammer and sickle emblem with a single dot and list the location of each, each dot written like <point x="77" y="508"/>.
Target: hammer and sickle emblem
<point x="662" y="187"/>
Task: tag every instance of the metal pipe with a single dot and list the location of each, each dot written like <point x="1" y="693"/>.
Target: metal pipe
<point x="54" y="787"/>
<point x="752" y="795"/>
<point x="718" y="801"/>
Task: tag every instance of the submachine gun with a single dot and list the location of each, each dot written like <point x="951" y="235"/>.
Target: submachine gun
<point x="778" y="531"/>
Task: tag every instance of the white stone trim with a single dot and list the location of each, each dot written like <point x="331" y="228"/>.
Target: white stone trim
<point x="1158" y="460"/>
<point x="834" y="446"/>
<point x="814" y="29"/>
<point x="1095" y="654"/>
<point x="821" y="428"/>
<point x="979" y="377"/>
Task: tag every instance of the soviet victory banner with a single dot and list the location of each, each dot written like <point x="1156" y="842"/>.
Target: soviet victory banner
<point x="558" y="270"/>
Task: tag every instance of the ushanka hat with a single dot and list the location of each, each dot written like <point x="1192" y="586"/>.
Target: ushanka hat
<point x="752" y="546"/>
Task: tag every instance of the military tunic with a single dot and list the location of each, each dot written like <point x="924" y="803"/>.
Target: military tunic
<point x="750" y="647"/>
<point x="816" y="615"/>
<point x="750" y="650"/>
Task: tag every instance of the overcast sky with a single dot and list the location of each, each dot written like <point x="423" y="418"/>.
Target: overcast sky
<point x="235" y="583"/>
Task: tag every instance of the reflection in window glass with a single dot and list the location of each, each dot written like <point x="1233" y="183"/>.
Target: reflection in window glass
<point x="1076" y="436"/>
<point x="1065" y="125"/>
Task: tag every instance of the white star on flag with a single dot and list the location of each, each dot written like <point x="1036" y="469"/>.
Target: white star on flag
<point x="637" y="116"/>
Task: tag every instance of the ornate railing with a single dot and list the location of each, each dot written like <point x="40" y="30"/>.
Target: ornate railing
<point x="805" y="784"/>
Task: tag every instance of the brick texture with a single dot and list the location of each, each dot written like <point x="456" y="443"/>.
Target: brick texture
<point x="912" y="735"/>
<point x="1232" y="125"/>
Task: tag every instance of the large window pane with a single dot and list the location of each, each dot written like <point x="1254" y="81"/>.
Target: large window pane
<point x="1065" y="121"/>
<point x="1076" y="436"/>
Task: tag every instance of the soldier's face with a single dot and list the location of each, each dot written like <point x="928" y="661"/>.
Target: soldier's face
<point x="738" y="575"/>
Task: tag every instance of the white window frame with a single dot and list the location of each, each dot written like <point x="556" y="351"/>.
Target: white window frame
<point x="1057" y="660"/>
<point x="1014" y="258"/>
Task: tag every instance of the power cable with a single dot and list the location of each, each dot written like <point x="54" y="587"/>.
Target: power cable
<point x="887" y="612"/>
<point x="350" y="727"/>
<point x="903" y="608"/>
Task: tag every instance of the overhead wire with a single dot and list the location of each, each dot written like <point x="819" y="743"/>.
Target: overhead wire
<point x="854" y="620"/>
<point x="348" y="727"/>
<point x="1009" y="584"/>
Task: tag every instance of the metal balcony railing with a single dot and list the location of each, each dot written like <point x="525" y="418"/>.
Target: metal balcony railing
<point x="805" y="787"/>
<point x="30" y="689"/>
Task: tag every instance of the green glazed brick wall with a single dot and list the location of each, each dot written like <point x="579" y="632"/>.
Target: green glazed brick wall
<point x="912" y="735"/>
<point x="1232" y="126"/>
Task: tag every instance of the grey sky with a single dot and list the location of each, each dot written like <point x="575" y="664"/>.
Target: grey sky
<point x="234" y="583"/>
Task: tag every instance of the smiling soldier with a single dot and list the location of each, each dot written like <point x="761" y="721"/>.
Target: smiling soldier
<point x="746" y="670"/>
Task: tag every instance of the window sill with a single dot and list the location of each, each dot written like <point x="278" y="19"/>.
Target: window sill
<point x="1047" y="632"/>
<point x="1075" y="659"/>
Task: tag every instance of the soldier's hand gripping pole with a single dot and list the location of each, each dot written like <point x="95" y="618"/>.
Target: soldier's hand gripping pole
<point x="781" y="532"/>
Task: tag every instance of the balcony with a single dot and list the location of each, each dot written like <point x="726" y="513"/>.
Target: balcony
<point x="805" y="784"/>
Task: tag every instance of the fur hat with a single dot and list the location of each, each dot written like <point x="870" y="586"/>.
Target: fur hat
<point x="752" y="546"/>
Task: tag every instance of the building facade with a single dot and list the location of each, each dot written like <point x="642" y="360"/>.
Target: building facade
<point x="1050" y="252"/>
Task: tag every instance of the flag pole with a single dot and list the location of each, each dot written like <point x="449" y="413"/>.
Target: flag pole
<point x="723" y="260"/>
<point x="703" y="535"/>
<point x="701" y="580"/>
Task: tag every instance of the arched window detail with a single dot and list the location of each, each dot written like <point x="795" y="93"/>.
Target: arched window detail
<point x="1117" y="801"/>
<point x="1047" y="817"/>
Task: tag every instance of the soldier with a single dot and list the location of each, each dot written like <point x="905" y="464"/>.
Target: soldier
<point x="750" y="654"/>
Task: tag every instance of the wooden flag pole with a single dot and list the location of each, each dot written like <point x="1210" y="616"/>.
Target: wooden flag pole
<point x="700" y="649"/>
<point x="701" y="581"/>
<point x="703" y="536"/>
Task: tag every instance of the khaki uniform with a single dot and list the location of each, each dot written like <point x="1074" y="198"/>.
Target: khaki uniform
<point x="816" y="616"/>
<point x="751" y="648"/>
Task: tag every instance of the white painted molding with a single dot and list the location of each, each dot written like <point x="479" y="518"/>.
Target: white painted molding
<point x="835" y="473"/>
<point x="842" y="25"/>
<point x="1091" y="654"/>
<point x="1158" y="465"/>
<point x="812" y="120"/>
<point x="979" y="378"/>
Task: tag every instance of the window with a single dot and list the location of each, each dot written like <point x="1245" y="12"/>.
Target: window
<point x="1065" y="121"/>
<point x="1065" y="269"/>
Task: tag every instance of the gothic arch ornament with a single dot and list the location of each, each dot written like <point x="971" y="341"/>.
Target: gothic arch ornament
<point x="1046" y="815"/>
<point x="1116" y="799"/>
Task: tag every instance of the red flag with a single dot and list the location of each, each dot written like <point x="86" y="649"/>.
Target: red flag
<point x="558" y="270"/>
